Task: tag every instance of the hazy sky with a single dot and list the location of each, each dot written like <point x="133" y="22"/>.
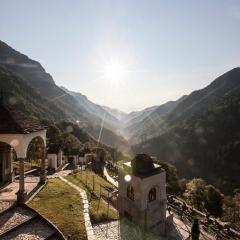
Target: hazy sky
<point x="159" y="50"/>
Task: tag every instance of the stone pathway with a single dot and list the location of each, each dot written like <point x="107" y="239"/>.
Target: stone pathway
<point x="120" y="230"/>
<point x="9" y="192"/>
<point x="107" y="231"/>
<point x="109" y="178"/>
<point x="88" y="224"/>
<point x="62" y="173"/>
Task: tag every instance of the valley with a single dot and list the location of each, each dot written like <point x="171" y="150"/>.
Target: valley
<point x="165" y="131"/>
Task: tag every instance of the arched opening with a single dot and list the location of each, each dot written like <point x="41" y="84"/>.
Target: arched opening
<point x="6" y="156"/>
<point x="130" y="192"/>
<point x="35" y="154"/>
<point x="152" y="195"/>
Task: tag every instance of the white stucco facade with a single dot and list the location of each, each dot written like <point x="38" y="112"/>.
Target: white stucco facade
<point x="52" y="161"/>
<point x="149" y="214"/>
<point x="20" y="142"/>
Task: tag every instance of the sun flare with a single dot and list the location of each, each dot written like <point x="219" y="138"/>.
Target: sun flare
<point x="114" y="72"/>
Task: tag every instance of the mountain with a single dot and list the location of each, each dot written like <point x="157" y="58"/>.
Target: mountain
<point x="138" y="114"/>
<point x="19" y="93"/>
<point x="26" y="77"/>
<point x="110" y="121"/>
<point x="203" y="134"/>
<point x="149" y="122"/>
<point x="120" y="115"/>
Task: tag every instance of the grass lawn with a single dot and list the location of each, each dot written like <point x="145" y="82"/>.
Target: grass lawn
<point x="62" y="205"/>
<point x="98" y="207"/>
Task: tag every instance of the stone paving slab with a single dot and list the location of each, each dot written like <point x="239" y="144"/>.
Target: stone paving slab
<point x="118" y="231"/>
<point x="9" y="192"/>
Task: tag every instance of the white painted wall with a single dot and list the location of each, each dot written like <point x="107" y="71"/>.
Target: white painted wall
<point x="52" y="161"/>
<point x="141" y="209"/>
<point x="20" y="142"/>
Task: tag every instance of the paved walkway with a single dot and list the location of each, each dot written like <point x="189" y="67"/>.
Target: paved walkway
<point x="109" y="178"/>
<point x="9" y="192"/>
<point x="88" y="224"/>
<point x="120" y="230"/>
<point x="62" y="173"/>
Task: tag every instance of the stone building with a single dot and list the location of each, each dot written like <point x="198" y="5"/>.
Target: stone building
<point x="17" y="131"/>
<point x="73" y="157"/>
<point x="54" y="156"/>
<point x="142" y="194"/>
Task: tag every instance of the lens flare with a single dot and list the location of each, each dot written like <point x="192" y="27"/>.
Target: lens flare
<point x="127" y="178"/>
<point x="14" y="143"/>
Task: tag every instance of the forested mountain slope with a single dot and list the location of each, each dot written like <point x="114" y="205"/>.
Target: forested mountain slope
<point x="204" y="138"/>
<point x="33" y="87"/>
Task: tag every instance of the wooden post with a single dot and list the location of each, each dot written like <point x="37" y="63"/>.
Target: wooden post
<point x="86" y="176"/>
<point x="81" y="174"/>
<point x="99" y="197"/>
<point x="93" y="183"/>
<point x="108" y="204"/>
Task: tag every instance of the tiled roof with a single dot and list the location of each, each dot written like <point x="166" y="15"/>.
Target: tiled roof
<point x="13" y="121"/>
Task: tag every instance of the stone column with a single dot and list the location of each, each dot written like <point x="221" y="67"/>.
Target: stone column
<point x="21" y="194"/>
<point x="43" y="175"/>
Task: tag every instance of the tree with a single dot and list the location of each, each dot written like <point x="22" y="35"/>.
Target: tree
<point x="236" y="206"/>
<point x="195" y="192"/>
<point x="53" y="134"/>
<point x="214" y="201"/>
<point x="173" y="186"/>
<point x="70" y="142"/>
<point x="182" y="185"/>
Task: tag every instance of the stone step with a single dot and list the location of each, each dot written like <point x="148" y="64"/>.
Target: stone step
<point x="34" y="229"/>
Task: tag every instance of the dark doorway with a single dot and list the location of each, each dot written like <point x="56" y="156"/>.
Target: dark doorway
<point x="5" y="162"/>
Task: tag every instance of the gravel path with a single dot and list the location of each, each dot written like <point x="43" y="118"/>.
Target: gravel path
<point x="5" y="205"/>
<point x="22" y="223"/>
<point x="13" y="218"/>
<point x="34" y="230"/>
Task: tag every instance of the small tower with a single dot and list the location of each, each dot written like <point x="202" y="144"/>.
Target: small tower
<point x="142" y="194"/>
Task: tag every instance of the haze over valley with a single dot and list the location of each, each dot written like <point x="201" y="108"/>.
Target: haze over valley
<point x="120" y="120"/>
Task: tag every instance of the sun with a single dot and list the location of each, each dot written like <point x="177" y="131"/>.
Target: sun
<point x="114" y="72"/>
